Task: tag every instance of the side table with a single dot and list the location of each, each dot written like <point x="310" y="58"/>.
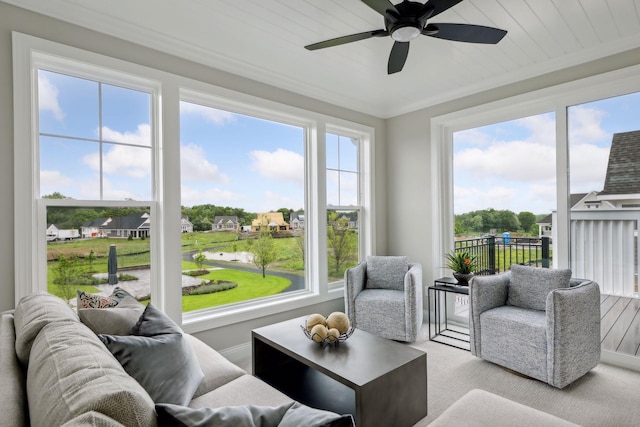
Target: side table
<point x="439" y="329"/>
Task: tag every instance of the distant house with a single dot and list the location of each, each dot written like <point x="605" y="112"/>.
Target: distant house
<point x="225" y="223"/>
<point x="52" y="232"/>
<point x="621" y="185"/>
<point x="297" y="221"/>
<point x="186" y="226"/>
<point x="135" y="225"/>
<point x="273" y="220"/>
<point x="352" y="217"/>
<point x="94" y="228"/>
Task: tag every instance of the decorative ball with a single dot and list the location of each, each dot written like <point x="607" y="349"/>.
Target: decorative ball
<point x="319" y="333"/>
<point x="315" y="319"/>
<point x="333" y="334"/>
<point x="339" y="321"/>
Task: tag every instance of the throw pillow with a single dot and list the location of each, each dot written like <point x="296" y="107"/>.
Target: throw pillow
<point x="529" y="286"/>
<point x="159" y="357"/>
<point x="386" y="272"/>
<point x="86" y="300"/>
<point x="116" y="320"/>
<point x="293" y="414"/>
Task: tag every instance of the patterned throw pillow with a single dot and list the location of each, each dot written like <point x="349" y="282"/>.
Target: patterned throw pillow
<point x="86" y="300"/>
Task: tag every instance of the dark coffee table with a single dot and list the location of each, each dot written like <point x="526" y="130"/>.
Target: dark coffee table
<point x="380" y="382"/>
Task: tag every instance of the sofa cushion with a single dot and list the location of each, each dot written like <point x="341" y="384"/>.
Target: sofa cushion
<point x="71" y="372"/>
<point x="93" y="419"/>
<point x="32" y="313"/>
<point x="217" y="369"/>
<point x="86" y="300"/>
<point x="386" y="272"/>
<point x="13" y="404"/>
<point x="293" y="414"/>
<point x="159" y="357"/>
<point x="530" y="286"/>
<point x="118" y="320"/>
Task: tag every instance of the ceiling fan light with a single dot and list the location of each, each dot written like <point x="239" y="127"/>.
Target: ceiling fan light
<point x="406" y="33"/>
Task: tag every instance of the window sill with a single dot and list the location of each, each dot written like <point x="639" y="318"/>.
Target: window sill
<point x="218" y="317"/>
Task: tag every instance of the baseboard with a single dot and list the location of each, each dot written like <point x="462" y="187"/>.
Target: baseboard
<point x="622" y="360"/>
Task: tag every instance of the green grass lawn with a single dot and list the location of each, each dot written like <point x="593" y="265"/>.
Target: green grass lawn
<point x="250" y="286"/>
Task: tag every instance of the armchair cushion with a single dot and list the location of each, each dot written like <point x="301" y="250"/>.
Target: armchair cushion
<point x="530" y="286"/>
<point x="386" y="272"/>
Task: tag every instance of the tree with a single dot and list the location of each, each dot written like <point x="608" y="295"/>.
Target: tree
<point x="200" y="259"/>
<point x="300" y="243"/>
<point x="90" y="259"/>
<point x="340" y="239"/>
<point x="527" y="220"/>
<point x="66" y="276"/>
<point x="264" y="250"/>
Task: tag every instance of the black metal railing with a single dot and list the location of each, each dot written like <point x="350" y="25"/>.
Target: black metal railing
<point x="496" y="254"/>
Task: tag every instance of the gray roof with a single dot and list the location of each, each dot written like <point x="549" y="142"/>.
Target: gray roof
<point x="129" y="222"/>
<point x="573" y="200"/>
<point x="98" y="222"/>
<point x="623" y="170"/>
<point x="224" y="219"/>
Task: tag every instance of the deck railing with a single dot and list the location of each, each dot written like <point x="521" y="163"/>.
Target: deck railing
<point x="496" y="254"/>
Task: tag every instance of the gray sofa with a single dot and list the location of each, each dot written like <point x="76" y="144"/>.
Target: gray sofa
<point x="538" y="322"/>
<point x="54" y="371"/>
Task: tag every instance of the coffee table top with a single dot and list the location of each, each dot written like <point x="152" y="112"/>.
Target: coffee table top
<point x="359" y="360"/>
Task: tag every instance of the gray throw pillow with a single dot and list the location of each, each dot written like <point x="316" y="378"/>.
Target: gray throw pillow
<point x="293" y="414"/>
<point x="118" y="320"/>
<point x="386" y="272"/>
<point x="529" y="286"/>
<point x="159" y="357"/>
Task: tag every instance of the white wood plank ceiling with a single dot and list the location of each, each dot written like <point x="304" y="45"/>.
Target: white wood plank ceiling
<point x="263" y="40"/>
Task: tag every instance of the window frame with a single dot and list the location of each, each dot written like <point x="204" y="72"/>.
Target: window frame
<point x="551" y="99"/>
<point x="29" y="53"/>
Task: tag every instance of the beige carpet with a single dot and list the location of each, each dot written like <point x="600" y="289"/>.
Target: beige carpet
<point x="607" y="396"/>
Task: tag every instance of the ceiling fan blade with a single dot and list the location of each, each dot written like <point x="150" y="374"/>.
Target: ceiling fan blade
<point x="465" y="33"/>
<point x="398" y="57"/>
<point x="347" y="39"/>
<point x="440" y="6"/>
<point x="381" y="6"/>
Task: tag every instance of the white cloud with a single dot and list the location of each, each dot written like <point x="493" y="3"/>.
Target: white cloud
<point x="124" y="160"/>
<point x="272" y="201"/>
<point x="584" y="125"/>
<point x="542" y="128"/>
<point x="281" y="164"/>
<point x="588" y="167"/>
<point x="52" y="181"/>
<point x="473" y="137"/>
<point x="195" y="167"/>
<point x="48" y="98"/>
<point x="211" y="114"/>
<point x="509" y="161"/>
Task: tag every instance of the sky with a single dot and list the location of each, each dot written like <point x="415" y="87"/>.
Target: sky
<point x="511" y="165"/>
<point x="227" y="159"/>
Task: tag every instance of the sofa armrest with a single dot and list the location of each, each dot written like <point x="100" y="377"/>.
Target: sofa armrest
<point x="413" y="300"/>
<point x="354" y="282"/>
<point x="485" y="293"/>
<point x="573" y="332"/>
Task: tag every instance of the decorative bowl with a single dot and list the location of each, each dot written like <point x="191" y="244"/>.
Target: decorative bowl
<point x="330" y="339"/>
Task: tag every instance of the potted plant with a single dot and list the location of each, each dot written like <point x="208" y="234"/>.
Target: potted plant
<point x="463" y="264"/>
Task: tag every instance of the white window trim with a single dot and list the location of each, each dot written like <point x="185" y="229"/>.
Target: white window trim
<point x="30" y="220"/>
<point x="552" y="99"/>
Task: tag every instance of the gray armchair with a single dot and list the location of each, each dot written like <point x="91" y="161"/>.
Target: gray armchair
<point x="383" y="296"/>
<point x="538" y="322"/>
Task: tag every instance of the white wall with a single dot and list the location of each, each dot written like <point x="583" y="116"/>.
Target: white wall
<point x="17" y="19"/>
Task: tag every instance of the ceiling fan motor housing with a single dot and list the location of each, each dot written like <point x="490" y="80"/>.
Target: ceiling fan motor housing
<point x="409" y="22"/>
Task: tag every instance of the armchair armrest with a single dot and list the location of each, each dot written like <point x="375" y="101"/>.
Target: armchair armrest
<point x="413" y="300"/>
<point x="485" y="293"/>
<point x="354" y="282"/>
<point x="573" y="332"/>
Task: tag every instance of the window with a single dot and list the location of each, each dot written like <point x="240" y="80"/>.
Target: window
<point x="343" y="204"/>
<point x="243" y="187"/>
<point x="222" y="172"/>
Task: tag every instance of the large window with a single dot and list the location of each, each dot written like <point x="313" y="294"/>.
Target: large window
<point x="243" y="188"/>
<point x="218" y="211"/>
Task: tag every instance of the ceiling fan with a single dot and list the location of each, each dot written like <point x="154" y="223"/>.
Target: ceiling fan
<point x="407" y="20"/>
